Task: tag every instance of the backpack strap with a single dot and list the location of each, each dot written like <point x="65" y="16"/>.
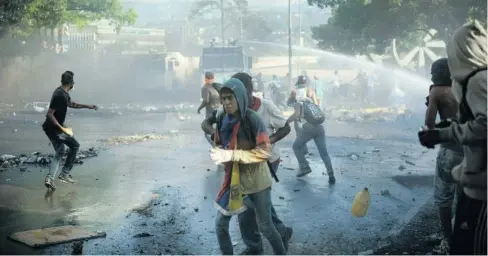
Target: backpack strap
<point x="464" y="109"/>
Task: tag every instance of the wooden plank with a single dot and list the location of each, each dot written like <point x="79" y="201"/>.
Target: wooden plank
<point x="54" y="235"/>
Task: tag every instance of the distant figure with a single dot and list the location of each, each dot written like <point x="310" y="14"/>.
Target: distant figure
<point x="370" y="88"/>
<point x="259" y="79"/>
<point x="275" y="78"/>
<point x="362" y="83"/>
<point x="309" y="131"/>
<point x="319" y="89"/>
<point x="336" y="83"/>
<point x="210" y="97"/>
<point x="301" y="92"/>
<point x="60" y="135"/>
<point x="397" y="95"/>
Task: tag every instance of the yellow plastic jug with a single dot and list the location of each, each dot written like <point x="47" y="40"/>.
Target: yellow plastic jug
<point x="361" y="203"/>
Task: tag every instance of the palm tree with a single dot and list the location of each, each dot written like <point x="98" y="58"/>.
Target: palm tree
<point x="237" y="8"/>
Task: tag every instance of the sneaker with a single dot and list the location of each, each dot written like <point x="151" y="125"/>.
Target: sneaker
<point x="332" y="180"/>
<point x="66" y="178"/>
<point x="287" y="238"/>
<point x="303" y="172"/>
<point x="49" y="183"/>
<point x="249" y="251"/>
<point x="442" y="249"/>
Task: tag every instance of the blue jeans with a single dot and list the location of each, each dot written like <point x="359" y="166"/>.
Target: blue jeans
<point x="58" y="141"/>
<point x="261" y="204"/>
<point x="249" y="227"/>
<point x="305" y="134"/>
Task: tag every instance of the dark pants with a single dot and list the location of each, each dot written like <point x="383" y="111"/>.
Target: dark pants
<point x="261" y="205"/>
<point x="58" y="141"/>
<point x="305" y="134"/>
<point x="469" y="233"/>
<point x="260" y="216"/>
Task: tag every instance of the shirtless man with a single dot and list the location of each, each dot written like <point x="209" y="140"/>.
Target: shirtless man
<point x="210" y="98"/>
<point x="442" y="101"/>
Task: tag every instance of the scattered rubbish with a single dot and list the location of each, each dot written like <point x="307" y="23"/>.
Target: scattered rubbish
<point x="77" y="248"/>
<point x="352" y="156"/>
<point x="31" y="160"/>
<point x="196" y="209"/>
<point x="132" y="139"/>
<point x="385" y="192"/>
<point x="402" y="167"/>
<point x="149" y="109"/>
<point x="143" y="234"/>
<point x="409" y="162"/>
<point x="54" y="235"/>
<point x="368" y="252"/>
<point x="365" y="115"/>
<point x="7" y="157"/>
<point x="361" y="202"/>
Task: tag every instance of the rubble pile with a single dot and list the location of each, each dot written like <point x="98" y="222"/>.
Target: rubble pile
<point x="366" y="114"/>
<point x="36" y="158"/>
<point x="131" y="139"/>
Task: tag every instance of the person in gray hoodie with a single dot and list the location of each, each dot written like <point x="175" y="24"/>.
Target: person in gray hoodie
<point x="467" y="54"/>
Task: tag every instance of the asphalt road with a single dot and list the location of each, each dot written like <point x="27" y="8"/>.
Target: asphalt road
<point x="165" y="187"/>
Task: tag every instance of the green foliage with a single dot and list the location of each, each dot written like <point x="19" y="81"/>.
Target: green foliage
<point x="50" y="14"/>
<point x="11" y="13"/>
<point x="361" y="26"/>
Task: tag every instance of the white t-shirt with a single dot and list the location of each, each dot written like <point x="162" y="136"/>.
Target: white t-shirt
<point x="273" y="119"/>
<point x="301" y="93"/>
<point x="336" y="81"/>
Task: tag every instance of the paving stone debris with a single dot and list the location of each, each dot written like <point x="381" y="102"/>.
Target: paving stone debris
<point x="36" y="158"/>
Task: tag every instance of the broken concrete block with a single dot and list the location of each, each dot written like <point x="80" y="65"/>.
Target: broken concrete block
<point x="7" y="157"/>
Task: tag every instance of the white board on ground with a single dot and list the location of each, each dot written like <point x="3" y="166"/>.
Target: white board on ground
<point x="54" y="235"/>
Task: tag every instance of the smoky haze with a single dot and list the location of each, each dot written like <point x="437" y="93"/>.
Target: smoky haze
<point x="30" y="69"/>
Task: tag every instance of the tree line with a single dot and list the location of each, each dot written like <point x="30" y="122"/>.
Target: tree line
<point x="23" y="18"/>
<point x="368" y="26"/>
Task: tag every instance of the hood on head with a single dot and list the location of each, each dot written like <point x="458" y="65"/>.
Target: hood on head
<point x="467" y="50"/>
<point x="240" y="93"/>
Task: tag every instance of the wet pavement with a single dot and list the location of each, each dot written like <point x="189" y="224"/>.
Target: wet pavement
<point x="156" y="196"/>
